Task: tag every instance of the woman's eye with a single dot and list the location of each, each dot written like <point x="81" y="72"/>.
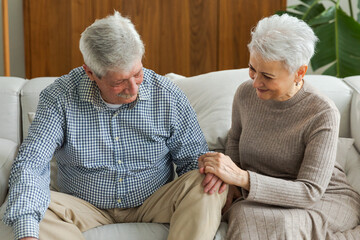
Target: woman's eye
<point x="267" y="77"/>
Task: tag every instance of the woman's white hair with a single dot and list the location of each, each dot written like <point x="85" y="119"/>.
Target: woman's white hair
<point x="111" y="44"/>
<point x="283" y="38"/>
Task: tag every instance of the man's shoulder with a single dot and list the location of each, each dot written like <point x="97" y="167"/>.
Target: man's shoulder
<point x="66" y="83"/>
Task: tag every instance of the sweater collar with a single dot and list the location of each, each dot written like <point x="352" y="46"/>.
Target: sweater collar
<point x="290" y="102"/>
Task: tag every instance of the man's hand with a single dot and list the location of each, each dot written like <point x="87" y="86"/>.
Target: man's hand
<point x="211" y="182"/>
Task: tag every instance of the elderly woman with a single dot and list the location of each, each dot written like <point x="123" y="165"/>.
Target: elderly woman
<point x="281" y="149"/>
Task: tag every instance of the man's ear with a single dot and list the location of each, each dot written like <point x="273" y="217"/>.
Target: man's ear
<point x="89" y="72"/>
<point x="300" y="73"/>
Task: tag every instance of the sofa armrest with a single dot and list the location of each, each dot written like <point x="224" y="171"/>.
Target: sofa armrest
<point x="354" y="82"/>
<point x="8" y="151"/>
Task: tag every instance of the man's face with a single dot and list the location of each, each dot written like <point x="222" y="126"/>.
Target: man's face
<point x="119" y="87"/>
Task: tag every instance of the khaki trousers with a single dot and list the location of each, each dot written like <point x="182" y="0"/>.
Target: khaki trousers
<point x="192" y="214"/>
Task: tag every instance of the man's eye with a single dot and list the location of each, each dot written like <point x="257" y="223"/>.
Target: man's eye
<point x="119" y="83"/>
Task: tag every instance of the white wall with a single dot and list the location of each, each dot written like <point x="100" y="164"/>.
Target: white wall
<point x="16" y="31"/>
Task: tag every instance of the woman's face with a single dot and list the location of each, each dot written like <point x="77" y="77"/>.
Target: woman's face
<point x="272" y="81"/>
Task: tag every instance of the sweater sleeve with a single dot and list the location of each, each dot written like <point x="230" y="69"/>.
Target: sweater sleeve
<point x="315" y="170"/>
<point x="232" y="144"/>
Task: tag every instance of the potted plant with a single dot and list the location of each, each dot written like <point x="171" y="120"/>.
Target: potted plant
<point x="338" y="48"/>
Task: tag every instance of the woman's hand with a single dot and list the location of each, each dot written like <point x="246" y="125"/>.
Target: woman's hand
<point x="223" y="167"/>
<point x="211" y="182"/>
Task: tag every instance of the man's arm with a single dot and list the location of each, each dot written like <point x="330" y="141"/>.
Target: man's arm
<point x="187" y="141"/>
<point x="29" y="193"/>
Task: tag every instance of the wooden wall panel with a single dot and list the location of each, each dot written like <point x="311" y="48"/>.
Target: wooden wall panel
<point x="236" y="19"/>
<point x="81" y="17"/>
<point x="179" y="35"/>
<point x="188" y="37"/>
<point x="52" y="33"/>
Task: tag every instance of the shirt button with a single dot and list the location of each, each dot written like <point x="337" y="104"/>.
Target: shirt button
<point x="120" y="179"/>
<point x="119" y="161"/>
<point x="117" y="138"/>
<point x="119" y="200"/>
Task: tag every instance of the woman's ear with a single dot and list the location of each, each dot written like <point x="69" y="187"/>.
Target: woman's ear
<point x="300" y="73"/>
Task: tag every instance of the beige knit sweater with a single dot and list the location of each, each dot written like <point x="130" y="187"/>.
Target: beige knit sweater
<point x="289" y="150"/>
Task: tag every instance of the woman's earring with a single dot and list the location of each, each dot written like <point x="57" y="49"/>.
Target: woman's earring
<point x="297" y="84"/>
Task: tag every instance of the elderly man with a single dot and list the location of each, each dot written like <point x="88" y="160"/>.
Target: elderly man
<point x="115" y="129"/>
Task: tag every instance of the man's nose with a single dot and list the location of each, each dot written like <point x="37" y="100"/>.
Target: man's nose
<point x="132" y="86"/>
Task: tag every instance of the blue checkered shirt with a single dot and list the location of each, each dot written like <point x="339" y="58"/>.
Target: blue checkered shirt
<point x="112" y="158"/>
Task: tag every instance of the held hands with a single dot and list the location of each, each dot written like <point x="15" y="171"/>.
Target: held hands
<point x="224" y="168"/>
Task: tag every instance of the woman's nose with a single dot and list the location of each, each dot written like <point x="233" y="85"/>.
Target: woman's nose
<point x="257" y="81"/>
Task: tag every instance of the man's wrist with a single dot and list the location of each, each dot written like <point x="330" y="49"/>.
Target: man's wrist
<point x="26" y="226"/>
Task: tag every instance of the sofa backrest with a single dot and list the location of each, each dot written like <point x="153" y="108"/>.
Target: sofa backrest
<point x="10" y="121"/>
<point x="354" y="82"/>
<point x="338" y="91"/>
<point x="211" y="96"/>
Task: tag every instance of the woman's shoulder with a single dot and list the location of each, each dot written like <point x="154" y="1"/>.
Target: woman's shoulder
<point x="316" y="97"/>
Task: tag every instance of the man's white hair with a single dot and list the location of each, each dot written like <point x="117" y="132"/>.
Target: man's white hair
<point x="283" y="38"/>
<point x="111" y="44"/>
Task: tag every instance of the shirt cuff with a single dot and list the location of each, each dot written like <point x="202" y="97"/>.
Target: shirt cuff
<point x="26" y="226"/>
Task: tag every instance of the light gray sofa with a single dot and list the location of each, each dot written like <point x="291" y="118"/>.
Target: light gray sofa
<point x="211" y="96"/>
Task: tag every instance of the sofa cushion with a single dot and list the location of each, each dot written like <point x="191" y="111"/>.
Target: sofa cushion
<point x="352" y="168"/>
<point x="343" y="147"/>
<point x="211" y="95"/>
<point x="8" y="151"/>
<point x="139" y="231"/>
<point x="134" y="231"/>
<point x="10" y="118"/>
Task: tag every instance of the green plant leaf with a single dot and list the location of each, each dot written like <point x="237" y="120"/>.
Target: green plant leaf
<point x="308" y="2"/>
<point x="325" y="17"/>
<point x="325" y="50"/>
<point x="339" y="43"/>
<point x="306" y="12"/>
<point x="301" y="8"/>
<point x="315" y="10"/>
<point x="289" y="13"/>
<point x="348" y="45"/>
